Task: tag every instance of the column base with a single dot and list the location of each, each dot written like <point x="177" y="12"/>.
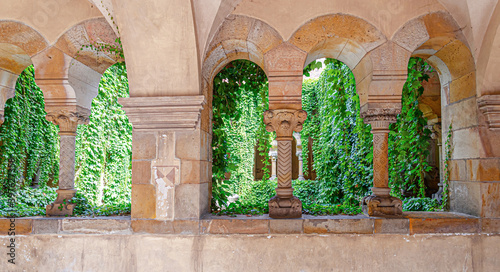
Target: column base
<point x="281" y="208"/>
<point x="374" y="205"/>
<point x="62" y="205"/>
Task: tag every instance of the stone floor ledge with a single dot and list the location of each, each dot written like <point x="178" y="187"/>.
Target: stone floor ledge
<point x="409" y="224"/>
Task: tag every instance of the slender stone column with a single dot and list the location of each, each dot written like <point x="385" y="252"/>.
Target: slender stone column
<point x="68" y="122"/>
<point x="381" y="202"/>
<point x="284" y="122"/>
<point x="273" y="153"/>
<point x="301" y="165"/>
<point x="274" y="158"/>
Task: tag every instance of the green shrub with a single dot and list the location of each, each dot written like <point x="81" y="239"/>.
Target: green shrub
<point x="420" y="204"/>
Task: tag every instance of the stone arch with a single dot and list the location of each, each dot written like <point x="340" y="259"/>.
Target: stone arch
<point x="89" y="32"/>
<point x="343" y="37"/>
<point x="239" y="37"/>
<point x="18" y="43"/>
<point x="438" y="39"/>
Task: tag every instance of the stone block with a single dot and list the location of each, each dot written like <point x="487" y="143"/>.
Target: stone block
<point x="19" y="226"/>
<point x="143" y="201"/>
<point x="184" y="227"/>
<point x="462" y="114"/>
<point x="458" y="170"/>
<point x="411" y="35"/>
<point x="490" y="225"/>
<point x="286" y="226"/>
<point x="391" y="225"/>
<point x="96" y="226"/>
<point x="483" y="169"/>
<point x="490" y="196"/>
<point x="457" y="58"/>
<point x="463" y="87"/>
<point x="141" y="172"/>
<point x="195" y="172"/>
<point x="189" y="145"/>
<point x="465" y="197"/>
<point x="143" y="146"/>
<point x="359" y="226"/>
<point x="46" y="226"/>
<point x="466" y="144"/>
<point x="235" y="226"/>
<point x="444" y="225"/>
<point x="191" y="200"/>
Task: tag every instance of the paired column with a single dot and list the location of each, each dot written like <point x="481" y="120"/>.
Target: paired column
<point x="380" y="202"/>
<point x="68" y="121"/>
<point x="273" y="153"/>
<point x="284" y="122"/>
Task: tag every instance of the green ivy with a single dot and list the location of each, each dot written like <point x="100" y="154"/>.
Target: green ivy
<point x="408" y="140"/>
<point x="29" y="145"/>
<point x="104" y="146"/>
<point x="239" y="100"/>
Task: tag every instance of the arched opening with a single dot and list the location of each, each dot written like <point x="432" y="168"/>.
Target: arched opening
<point x="240" y="97"/>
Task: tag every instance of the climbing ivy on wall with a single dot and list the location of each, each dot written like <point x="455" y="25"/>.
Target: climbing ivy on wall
<point x="342" y="148"/>
<point x="104" y="146"/>
<point x="408" y="140"/>
<point x="239" y="100"/>
<point x="29" y="145"/>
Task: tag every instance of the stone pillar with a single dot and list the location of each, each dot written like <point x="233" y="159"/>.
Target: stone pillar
<point x="170" y="157"/>
<point x="273" y="153"/>
<point x="296" y="135"/>
<point x="68" y="121"/>
<point x="301" y="170"/>
<point x="284" y="122"/>
<point x="381" y="202"/>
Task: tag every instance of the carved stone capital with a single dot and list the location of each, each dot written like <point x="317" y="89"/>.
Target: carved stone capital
<point x="380" y="114"/>
<point x="284" y="122"/>
<point x="285" y="207"/>
<point x="68" y="120"/>
<point x="163" y="113"/>
<point x="489" y="105"/>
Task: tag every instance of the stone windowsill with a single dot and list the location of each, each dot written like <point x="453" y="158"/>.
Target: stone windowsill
<point x="411" y="223"/>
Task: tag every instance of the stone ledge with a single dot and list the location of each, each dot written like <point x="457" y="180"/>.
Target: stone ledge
<point x="411" y="223"/>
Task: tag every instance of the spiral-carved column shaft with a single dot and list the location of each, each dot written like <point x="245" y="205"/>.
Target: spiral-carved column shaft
<point x="284" y="122"/>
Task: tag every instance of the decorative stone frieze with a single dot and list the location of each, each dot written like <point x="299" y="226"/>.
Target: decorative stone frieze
<point x="284" y="122"/>
<point x="489" y="105"/>
<point x="380" y="202"/>
<point x="164" y="113"/>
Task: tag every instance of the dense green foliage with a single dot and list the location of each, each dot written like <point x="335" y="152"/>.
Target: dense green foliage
<point x="104" y="146"/>
<point x="408" y="140"/>
<point x="239" y="99"/>
<point x="29" y="145"/>
<point x="342" y="144"/>
<point x="30" y="149"/>
<point x="342" y="147"/>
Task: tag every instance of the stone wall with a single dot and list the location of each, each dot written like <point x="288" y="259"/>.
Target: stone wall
<point x="417" y="242"/>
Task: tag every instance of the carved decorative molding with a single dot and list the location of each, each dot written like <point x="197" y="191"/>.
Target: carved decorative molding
<point x="68" y="120"/>
<point x="163" y="113"/>
<point x="380" y="114"/>
<point x="284" y="122"/>
<point x="489" y="105"/>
